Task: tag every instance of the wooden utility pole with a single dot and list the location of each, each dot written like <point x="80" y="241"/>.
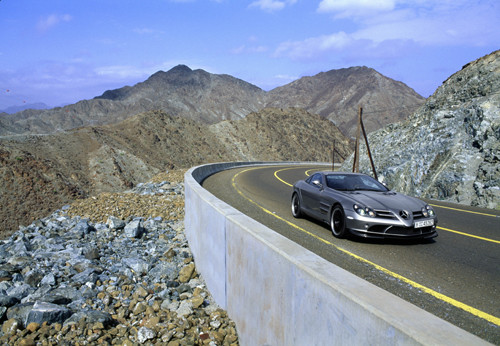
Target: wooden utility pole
<point x="361" y="126"/>
<point x="369" y="152"/>
<point x="334" y="150"/>
<point x="333" y="157"/>
<point x="355" y="166"/>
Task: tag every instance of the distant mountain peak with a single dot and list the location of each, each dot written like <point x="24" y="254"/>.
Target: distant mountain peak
<point x="180" y="69"/>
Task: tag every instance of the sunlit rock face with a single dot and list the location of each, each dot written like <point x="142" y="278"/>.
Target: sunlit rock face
<point x="449" y="149"/>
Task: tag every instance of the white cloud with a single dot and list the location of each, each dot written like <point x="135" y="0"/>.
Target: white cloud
<point x="52" y="20"/>
<point x="314" y="46"/>
<point x="443" y="24"/>
<point x="251" y="47"/>
<point x="122" y="71"/>
<point x="285" y="78"/>
<point x="238" y="50"/>
<point x="271" y="5"/>
<point x="355" y="8"/>
<point x="401" y="23"/>
<point x="244" y="49"/>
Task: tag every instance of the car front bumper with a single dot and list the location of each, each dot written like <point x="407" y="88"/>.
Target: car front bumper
<point x="388" y="228"/>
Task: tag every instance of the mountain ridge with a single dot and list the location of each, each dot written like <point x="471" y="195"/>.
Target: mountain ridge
<point x="210" y="98"/>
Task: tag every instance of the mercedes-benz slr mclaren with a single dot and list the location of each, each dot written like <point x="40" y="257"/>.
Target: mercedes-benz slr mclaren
<point x="354" y="203"/>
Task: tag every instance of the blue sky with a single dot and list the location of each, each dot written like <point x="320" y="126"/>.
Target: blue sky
<point x="61" y="51"/>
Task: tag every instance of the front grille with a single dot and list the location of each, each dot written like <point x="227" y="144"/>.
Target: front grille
<point x="385" y="214"/>
<point x="418" y="215"/>
<point x="378" y="228"/>
<point x="402" y="231"/>
<point x="385" y="231"/>
<point x="409" y="231"/>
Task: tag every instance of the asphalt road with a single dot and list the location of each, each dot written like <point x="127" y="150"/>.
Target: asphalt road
<point x="455" y="276"/>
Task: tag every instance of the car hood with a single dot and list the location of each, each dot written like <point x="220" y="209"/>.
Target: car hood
<point x="386" y="200"/>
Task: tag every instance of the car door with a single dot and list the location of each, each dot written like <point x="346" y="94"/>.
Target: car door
<point x="311" y="195"/>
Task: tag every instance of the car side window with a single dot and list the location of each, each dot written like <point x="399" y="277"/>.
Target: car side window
<point x="314" y="177"/>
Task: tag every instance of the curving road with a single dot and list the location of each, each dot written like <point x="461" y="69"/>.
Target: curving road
<point x="456" y="276"/>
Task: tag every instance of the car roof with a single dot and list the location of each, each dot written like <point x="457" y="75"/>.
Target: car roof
<point x="337" y="173"/>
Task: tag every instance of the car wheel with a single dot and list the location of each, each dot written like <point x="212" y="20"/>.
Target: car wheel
<point x="337" y="222"/>
<point x="296" y="206"/>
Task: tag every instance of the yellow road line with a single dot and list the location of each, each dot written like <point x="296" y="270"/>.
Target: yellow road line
<point x="284" y="169"/>
<point x="468" y="235"/>
<point x="464" y="210"/>
<point x="451" y="301"/>
<point x="276" y="175"/>
<point x="311" y="170"/>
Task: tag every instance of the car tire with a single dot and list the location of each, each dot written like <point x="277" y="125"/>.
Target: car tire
<point x="337" y="222"/>
<point x="296" y="212"/>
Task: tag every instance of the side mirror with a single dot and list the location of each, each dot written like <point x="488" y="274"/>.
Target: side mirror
<point x="381" y="181"/>
<point x="317" y="183"/>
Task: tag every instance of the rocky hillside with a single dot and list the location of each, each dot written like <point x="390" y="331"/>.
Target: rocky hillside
<point x="40" y="173"/>
<point x="337" y="95"/>
<point x="211" y="98"/>
<point x="290" y="134"/>
<point x="122" y="274"/>
<point x="450" y="148"/>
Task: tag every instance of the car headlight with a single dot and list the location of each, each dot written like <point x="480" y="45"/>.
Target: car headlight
<point x="427" y="211"/>
<point x="364" y="211"/>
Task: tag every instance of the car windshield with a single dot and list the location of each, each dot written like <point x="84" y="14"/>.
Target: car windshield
<point x="351" y="182"/>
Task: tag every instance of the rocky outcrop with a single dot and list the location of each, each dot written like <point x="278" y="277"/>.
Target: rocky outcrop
<point x="450" y="148"/>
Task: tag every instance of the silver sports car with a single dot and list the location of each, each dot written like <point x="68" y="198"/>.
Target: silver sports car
<point x="358" y="204"/>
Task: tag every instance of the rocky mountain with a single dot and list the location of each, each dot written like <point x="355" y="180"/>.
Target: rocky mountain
<point x="210" y="98"/>
<point x="181" y="92"/>
<point x="450" y="148"/>
<point x="39" y="173"/>
<point x="197" y="95"/>
<point x="337" y="95"/>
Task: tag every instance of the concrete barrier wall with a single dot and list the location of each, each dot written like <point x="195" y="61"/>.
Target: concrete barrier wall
<point x="279" y="293"/>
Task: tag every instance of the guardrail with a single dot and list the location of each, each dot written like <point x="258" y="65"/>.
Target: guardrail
<point x="279" y="293"/>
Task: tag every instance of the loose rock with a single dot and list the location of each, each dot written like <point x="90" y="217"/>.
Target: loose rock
<point x="93" y="273"/>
